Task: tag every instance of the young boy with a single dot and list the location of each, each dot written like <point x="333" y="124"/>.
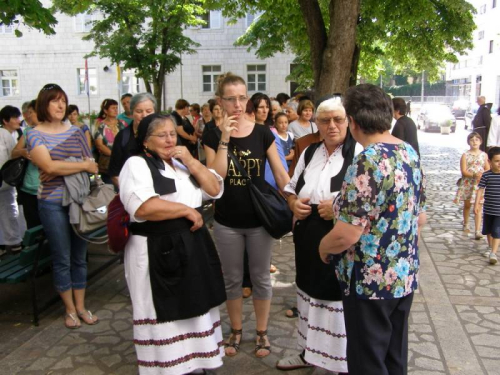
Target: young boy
<point x="489" y="187"/>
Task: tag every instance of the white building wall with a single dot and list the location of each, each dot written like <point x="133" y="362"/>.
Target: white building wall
<point x="479" y="62"/>
<point x="41" y="59"/>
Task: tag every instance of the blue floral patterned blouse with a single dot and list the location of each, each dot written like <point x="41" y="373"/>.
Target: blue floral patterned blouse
<point x="383" y="191"/>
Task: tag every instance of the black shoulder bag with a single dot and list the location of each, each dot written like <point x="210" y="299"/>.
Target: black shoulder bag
<point x="271" y="208"/>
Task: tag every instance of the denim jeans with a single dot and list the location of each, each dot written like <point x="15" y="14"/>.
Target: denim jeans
<point x="68" y="251"/>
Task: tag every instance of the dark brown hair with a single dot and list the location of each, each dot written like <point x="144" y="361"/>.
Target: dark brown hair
<point x="49" y="92"/>
<point x="181" y="104"/>
<point x="105" y="106"/>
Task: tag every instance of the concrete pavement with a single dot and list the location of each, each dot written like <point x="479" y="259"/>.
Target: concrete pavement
<point x="453" y="325"/>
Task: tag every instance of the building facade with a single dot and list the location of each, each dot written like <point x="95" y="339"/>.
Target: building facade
<point x="478" y="72"/>
<point x="29" y="62"/>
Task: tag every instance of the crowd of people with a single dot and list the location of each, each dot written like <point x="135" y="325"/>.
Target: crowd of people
<point x="356" y="191"/>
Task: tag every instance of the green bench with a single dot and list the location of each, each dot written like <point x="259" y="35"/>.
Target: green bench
<point x="35" y="259"/>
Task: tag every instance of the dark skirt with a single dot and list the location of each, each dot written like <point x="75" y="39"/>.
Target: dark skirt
<point x="185" y="270"/>
<point x="314" y="277"/>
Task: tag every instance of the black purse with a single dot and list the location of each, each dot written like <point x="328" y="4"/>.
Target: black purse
<point x="271" y="208"/>
<point x="13" y="171"/>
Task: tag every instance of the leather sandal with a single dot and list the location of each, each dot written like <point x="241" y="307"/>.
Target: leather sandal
<point x="75" y="324"/>
<point x="261" y="344"/>
<point x="233" y="343"/>
<point x="87" y="317"/>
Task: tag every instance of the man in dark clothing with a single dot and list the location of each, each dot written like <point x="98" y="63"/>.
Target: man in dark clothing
<point x="405" y="128"/>
<point x="482" y="120"/>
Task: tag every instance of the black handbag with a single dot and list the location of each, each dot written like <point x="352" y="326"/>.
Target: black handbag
<point x="271" y="208"/>
<point x="13" y="171"/>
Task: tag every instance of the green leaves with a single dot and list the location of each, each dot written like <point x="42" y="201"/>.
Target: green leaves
<point x="30" y="13"/>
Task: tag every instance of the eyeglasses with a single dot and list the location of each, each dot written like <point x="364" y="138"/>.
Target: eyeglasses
<point x="162" y="136"/>
<point x="234" y="99"/>
<point x="336" y="120"/>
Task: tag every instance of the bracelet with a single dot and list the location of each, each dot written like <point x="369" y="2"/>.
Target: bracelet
<point x="222" y="148"/>
<point x="222" y="143"/>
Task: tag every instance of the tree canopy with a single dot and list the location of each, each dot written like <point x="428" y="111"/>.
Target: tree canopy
<point x="411" y="34"/>
<point x="144" y="36"/>
<point x="30" y="13"/>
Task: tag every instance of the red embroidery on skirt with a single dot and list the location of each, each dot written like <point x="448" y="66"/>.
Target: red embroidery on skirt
<point x="320" y="305"/>
<point x="186" y="336"/>
<point x="325" y="355"/>
<point x="181" y="360"/>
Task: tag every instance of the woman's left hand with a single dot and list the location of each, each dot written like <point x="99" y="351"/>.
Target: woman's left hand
<point x="181" y="153"/>
<point x="45" y="177"/>
<point x="325" y="209"/>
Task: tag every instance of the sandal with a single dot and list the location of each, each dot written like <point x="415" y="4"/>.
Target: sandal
<point x="75" y="324"/>
<point x="233" y="343"/>
<point x="261" y="344"/>
<point x="292" y="313"/>
<point x="88" y="317"/>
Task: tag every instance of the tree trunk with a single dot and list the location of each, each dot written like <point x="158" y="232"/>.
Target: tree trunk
<point x="354" y="66"/>
<point x="340" y="48"/>
<point x="158" y="93"/>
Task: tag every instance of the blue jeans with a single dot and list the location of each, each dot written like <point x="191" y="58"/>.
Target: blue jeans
<point x="68" y="251"/>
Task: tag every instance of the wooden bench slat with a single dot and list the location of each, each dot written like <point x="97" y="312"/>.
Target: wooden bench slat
<point x="24" y="273"/>
<point x="28" y="254"/>
<point x="7" y="262"/>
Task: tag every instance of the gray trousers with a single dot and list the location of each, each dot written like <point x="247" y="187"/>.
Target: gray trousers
<point x="9" y="216"/>
<point x="231" y="244"/>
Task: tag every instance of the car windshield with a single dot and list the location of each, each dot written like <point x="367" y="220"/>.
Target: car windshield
<point x="439" y="111"/>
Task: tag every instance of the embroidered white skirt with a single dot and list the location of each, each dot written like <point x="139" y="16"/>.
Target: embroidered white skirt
<point x="172" y="348"/>
<point x="321" y="332"/>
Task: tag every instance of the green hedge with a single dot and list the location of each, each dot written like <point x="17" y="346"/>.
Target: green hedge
<point x="435" y="89"/>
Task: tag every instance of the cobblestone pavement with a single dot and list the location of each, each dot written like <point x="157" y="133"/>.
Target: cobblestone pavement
<point x="453" y="324"/>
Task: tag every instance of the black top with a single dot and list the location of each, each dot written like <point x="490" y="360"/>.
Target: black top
<point x="234" y="209"/>
<point x="482" y="118"/>
<point x="124" y="146"/>
<point x="208" y="126"/>
<point x="188" y="128"/>
<point x="406" y="130"/>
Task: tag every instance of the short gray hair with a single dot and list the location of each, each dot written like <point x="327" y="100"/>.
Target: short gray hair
<point x="275" y="102"/>
<point x="157" y="122"/>
<point x="25" y="106"/>
<point x="141" y="97"/>
<point x="333" y="104"/>
<point x="293" y="104"/>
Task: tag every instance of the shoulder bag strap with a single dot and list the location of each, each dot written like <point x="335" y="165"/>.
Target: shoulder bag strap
<point x="238" y="165"/>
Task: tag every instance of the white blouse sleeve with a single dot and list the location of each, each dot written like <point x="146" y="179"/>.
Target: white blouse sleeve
<point x="220" y="180"/>
<point x="292" y="184"/>
<point x="493" y="134"/>
<point x="136" y="185"/>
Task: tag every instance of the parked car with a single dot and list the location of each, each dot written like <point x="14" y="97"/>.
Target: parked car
<point x="459" y="108"/>
<point x="434" y="116"/>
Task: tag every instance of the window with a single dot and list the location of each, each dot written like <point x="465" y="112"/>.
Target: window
<point x="256" y="77"/>
<point x="210" y="75"/>
<point x="130" y="83"/>
<point x="480" y="61"/>
<point x="480" y="35"/>
<point x="92" y="81"/>
<point x="213" y="19"/>
<point x="251" y="17"/>
<point x="83" y="22"/>
<point x="482" y="9"/>
<point x="6" y="29"/>
<point x="494" y="3"/>
<point x="10" y="83"/>
<point x="491" y="46"/>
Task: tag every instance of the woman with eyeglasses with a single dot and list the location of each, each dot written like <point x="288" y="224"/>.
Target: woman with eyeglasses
<point x="50" y="144"/>
<point x="172" y="268"/>
<point x="141" y="105"/>
<point x="237" y="226"/>
<point x="316" y="181"/>
<point x="109" y="126"/>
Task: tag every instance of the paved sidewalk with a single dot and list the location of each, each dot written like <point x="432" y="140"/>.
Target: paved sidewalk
<point x="453" y="325"/>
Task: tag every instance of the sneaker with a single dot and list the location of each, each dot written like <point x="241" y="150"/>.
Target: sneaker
<point x="486" y="254"/>
<point x="466" y="228"/>
<point x="493" y="259"/>
<point x="478" y="236"/>
<point x="293" y="362"/>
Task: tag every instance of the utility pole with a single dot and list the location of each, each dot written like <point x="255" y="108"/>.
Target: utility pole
<point x="422" y="90"/>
